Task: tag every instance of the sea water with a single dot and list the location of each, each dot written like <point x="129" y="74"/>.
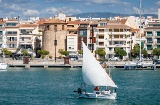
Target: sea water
<point x="55" y="86"/>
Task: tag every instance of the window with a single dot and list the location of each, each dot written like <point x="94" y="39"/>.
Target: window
<point x="69" y="19"/>
<point x="11" y="24"/>
<point x="103" y="24"/>
<point x="83" y="25"/>
<point x="149" y="40"/>
<point x="101" y="36"/>
<point x="158" y="33"/>
<point x="71" y="47"/>
<point x="158" y="40"/>
<point x="101" y="43"/>
<point x="47" y="27"/>
<point x="12" y="32"/>
<point x="62" y="27"/>
<point x="11" y="45"/>
<point x="55" y="27"/>
<point x="83" y="32"/>
<point x="71" y="40"/>
<point x="149" y="47"/>
<point x="1" y="32"/>
<point x="11" y="38"/>
<point x="22" y="38"/>
<point x="101" y="30"/>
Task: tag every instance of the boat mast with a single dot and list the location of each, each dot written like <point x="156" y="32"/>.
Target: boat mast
<point x="140" y="30"/>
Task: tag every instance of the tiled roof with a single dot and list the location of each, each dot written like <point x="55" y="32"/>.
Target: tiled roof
<point x="73" y="22"/>
<point x="94" y="22"/>
<point x="155" y="27"/>
<point x="84" y="22"/>
<point x="2" y="22"/>
<point x="12" y="19"/>
<point x="135" y="30"/>
<point x="123" y="21"/>
<point x="118" y="26"/>
<point x="27" y="25"/>
<point x="54" y="21"/>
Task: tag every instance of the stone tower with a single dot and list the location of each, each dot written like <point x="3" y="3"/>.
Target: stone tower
<point x="55" y="29"/>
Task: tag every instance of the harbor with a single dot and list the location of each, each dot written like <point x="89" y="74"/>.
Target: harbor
<point x="44" y="63"/>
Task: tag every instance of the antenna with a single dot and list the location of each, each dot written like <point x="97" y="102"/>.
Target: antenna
<point x="140" y="28"/>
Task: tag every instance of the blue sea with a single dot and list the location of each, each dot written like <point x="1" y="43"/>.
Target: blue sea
<point x="55" y="86"/>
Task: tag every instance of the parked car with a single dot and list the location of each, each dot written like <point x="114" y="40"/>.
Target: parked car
<point x="114" y="59"/>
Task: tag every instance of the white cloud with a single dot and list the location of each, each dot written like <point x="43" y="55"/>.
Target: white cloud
<point x="110" y="2"/>
<point x="55" y="11"/>
<point x="13" y="7"/>
<point x="158" y="3"/>
<point x="136" y="10"/>
<point x="30" y="12"/>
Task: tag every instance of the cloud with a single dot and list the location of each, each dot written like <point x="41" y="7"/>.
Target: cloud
<point x="90" y="2"/>
<point x="30" y="12"/>
<point x="158" y="3"/>
<point x="13" y="7"/>
<point x="55" y="11"/>
<point x="136" y="10"/>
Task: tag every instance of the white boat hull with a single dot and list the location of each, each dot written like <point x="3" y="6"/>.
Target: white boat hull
<point x="100" y="95"/>
<point x="3" y="66"/>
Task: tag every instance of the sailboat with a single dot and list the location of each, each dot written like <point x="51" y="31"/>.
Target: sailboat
<point x="140" y="62"/>
<point x="95" y="75"/>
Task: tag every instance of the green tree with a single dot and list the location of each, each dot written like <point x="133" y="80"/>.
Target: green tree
<point x="135" y="50"/>
<point x="43" y="53"/>
<point x="101" y="52"/>
<point x="156" y="52"/>
<point x="62" y="52"/>
<point x="80" y="51"/>
<point x="6" y="51"/>
<point x="144" y="52"/>
<point x="120" y="52"/>
<point x="24" y="52"/>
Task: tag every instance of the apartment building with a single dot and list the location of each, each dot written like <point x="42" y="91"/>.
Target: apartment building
<point x="12" y="34"/>
<point x="82" y="33"/>
<point x="72" y="36"/>
<point x="2" y="34"/>
<point x="29" y="37"/>
<point x="152" y="35"/>
<point x="116" y="35"/>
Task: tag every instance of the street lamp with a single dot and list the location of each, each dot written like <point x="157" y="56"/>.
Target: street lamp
<point x="92" y="37"/>
<point x="55" y="43"/>
<point x="131" y="47"/>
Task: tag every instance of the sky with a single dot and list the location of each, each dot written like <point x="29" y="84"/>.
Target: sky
<point x="50" y="8"/>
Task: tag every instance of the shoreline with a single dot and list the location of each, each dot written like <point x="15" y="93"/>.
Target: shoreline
<point x="60" y="63"/>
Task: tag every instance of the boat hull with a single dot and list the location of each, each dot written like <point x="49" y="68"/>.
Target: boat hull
<point x="3" y="66"/>
<point x="98" y="96"/>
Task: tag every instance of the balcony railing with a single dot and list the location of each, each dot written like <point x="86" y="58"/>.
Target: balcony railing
<point x="27" y="41"/>
<point x="149" y="34"/>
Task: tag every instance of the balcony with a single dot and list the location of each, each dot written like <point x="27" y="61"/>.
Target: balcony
<point x="2" y="27"/>
<point x="119" y="33"/>
<point x="25" y="41"/>
<point x="149" y="42"/>
<point x="158" y="43"/>
<point x="149" y="35"/>
<point x="118" y="45"/>
<point x="111" y="52"/>
<point x="117" y="39"/>
<point x="100" y="40"/>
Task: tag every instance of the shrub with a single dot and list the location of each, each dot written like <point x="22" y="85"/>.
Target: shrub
<point x="50" y="56"/>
